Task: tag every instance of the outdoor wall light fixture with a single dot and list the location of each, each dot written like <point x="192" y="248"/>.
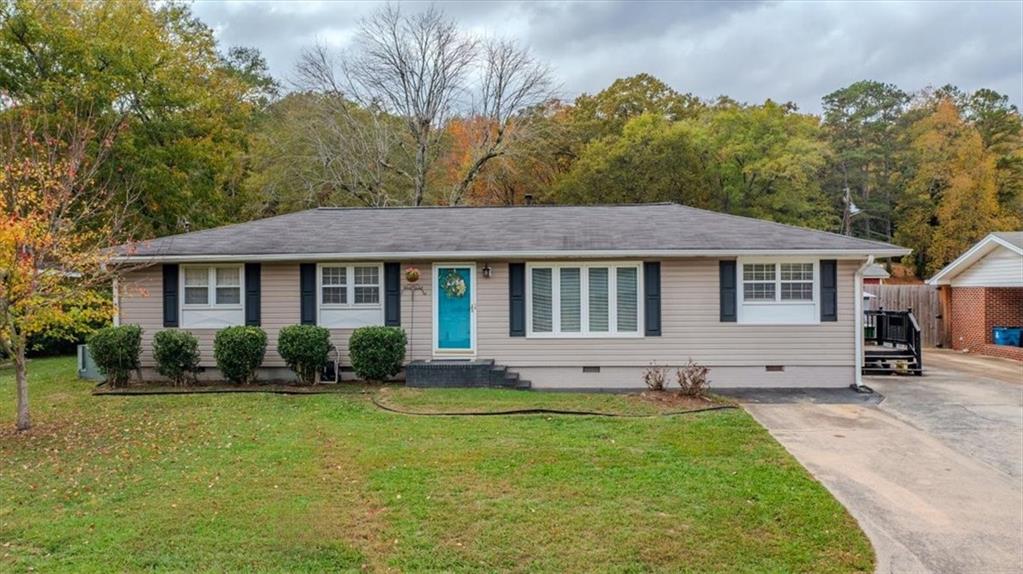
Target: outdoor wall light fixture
<point x="487" y="271"/>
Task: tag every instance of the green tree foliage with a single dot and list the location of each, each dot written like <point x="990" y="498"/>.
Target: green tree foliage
<point x="760" y="161"/>
<point x="862" y="124"/>
<point x="652" y="160"/>
<point x="765" y="161"/>
<point x="606" y="113"/>
<point x="60" y="333"/>
<point x="151" y="72"/>
<point x="1001" y="130"/>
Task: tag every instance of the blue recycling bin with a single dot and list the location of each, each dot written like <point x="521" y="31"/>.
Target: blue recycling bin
<point x="1007" y="336"/>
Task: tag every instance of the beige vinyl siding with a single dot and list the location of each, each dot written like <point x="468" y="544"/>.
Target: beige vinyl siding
<point x="141" y="303"/>
<point x="690" y="327"/>
<point x="689" y="316"/>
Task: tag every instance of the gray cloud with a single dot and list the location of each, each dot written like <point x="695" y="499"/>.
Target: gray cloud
<point x="749" y="50"/>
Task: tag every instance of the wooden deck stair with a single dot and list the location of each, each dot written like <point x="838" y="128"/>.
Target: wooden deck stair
<point x="894" y="344"/>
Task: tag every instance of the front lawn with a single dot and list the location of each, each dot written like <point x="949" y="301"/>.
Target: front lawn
<point x="329" y="482"/>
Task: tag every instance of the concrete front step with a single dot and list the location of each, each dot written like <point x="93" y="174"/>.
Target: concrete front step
<point x="451" y="373"/>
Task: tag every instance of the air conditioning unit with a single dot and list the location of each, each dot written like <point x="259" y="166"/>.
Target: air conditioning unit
<point x="332" y="372"/>
<point x="87" y="368"/>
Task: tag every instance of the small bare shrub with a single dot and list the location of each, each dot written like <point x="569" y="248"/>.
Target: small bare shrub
<point x="692" y="379"/>
<point x="655" y="377"/>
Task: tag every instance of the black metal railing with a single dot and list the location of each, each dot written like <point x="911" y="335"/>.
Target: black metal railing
<point x="895" y="328"/>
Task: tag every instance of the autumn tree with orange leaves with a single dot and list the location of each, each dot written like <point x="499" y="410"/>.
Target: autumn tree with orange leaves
<point x="56" y="219"/>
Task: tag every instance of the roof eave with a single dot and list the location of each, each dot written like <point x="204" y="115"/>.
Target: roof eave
<point x="971" y="256"/>
<point x="412" y="255"/>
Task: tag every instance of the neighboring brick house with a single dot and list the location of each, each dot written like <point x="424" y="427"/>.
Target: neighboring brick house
<point x="983" y="289"/>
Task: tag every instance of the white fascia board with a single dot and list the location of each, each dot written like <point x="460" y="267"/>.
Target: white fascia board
<point x="467" y="255"/>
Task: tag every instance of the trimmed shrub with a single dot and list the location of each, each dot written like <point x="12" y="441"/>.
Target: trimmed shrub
<point x="239" y="352"/>
<point x="177" y="355"/>
<point x="306" y="350"/>
<point x="116" y="351"/>
<point x="377" y="352"/>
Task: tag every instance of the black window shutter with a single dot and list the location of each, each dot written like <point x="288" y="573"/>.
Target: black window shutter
<point x="307" y="290"/>
<point x="652" y="298"/>
<point x="829" y="290"/>
<point x="253" y="294"/>
<point x="517" y="299"/>
<point x="726" y="279"/>
<point x="170" y="295"/>
<point x="392" y="294"/>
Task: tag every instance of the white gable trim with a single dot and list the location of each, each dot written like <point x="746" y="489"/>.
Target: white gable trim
<point x="972" y="255"/>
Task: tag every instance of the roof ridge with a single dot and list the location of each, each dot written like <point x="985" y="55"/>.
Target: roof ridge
<point x="780" y="224"/>
<point x="518" y="206"/>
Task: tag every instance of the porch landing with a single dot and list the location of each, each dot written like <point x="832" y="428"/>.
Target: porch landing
<point x="453" y="373"/>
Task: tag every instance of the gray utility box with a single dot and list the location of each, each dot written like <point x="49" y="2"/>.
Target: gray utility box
<point x="87" y="368"/>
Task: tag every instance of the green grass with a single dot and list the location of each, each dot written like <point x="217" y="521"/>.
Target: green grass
<point x="327" y="482"/>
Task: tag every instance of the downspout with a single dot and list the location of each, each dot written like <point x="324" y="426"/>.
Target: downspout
<point x="117" y="302"/>
<point x="858" y="305"/>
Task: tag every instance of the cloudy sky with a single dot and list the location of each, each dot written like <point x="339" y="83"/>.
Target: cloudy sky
<point x="749" y="50"/>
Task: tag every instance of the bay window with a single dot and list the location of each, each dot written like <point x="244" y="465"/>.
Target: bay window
<point x="584" y="299"/>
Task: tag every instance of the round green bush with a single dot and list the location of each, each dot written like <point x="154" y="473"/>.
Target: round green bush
<point x="377" y="352"/>
<point x="239" y="351"/>
<point x="177" y="355"/>
<point x="116" y="351"/>
<point x="306" y="350"/>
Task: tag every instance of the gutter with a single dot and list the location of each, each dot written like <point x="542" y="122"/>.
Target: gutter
<point x="858" y="305"/>
<point x="482" y="255"/>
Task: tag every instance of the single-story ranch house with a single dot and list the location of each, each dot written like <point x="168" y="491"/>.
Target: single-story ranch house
<point x="583" y="297"/>
<point x="982" y="290"/>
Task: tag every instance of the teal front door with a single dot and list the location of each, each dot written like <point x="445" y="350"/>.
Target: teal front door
<point x="454" y="297"/>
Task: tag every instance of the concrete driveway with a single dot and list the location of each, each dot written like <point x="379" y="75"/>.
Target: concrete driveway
<point x="933" y="473"/>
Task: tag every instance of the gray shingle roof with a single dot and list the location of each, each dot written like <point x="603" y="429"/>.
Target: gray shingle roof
<point x="621" y="229"/>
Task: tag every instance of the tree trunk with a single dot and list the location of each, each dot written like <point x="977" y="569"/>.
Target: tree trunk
<point x="24" y="422"/>
<point x="421" y="167"/>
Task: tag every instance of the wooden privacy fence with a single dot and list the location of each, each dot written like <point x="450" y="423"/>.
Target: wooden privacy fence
<point x="922" y="299"/>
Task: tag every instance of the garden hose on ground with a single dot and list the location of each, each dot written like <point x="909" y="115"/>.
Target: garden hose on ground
<point x="541" y="411"/>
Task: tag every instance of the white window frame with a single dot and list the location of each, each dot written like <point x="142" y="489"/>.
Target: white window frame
<point x="349" y="286"/>
<point x="584" y="295"/>
<point x="211" y="286"/>
<point x="778" y="302"/>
